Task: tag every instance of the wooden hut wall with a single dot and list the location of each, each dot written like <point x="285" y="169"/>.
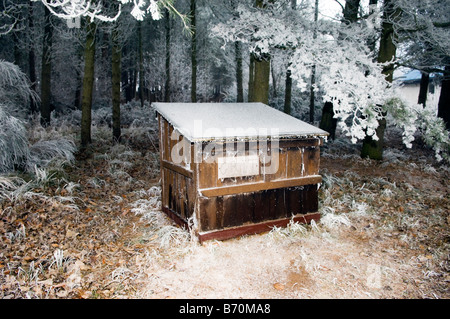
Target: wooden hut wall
<point x="178" y="185"/>
<point x="290" y="191"/>
<point x="189" y="187"/>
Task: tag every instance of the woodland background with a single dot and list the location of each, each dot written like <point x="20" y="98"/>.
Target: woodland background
<point x="79" y="163"/>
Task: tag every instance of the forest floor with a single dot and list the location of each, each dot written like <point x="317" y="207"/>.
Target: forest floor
<point x="96" y="231"/>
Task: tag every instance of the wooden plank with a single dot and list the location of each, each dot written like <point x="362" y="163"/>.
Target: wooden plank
<point x="282" y="167"/>
<point x="208" y="216"/>
<point x="272" y="205"/>
<point x="169" y="186"/>
<point x="288" y="143"/>
<point x="182" y="195"/>
<point x="164" y="188"/>
<point x="255" y="187"/>
<point x="310" y="201"/>
<point x="261" y="207"/>
<point x="281" y="207"/>
<point x="161" y="138"/>
<point x="294" y="162"/>
<point x="177" y="168"/>
<point x="175" y="217"/>
<point x="245" y="207"/>
<point x="230" y="213"/>
<point x="191" y="196"/>
<point x="207" y="175"/>
<point x="166" y="140"/>
<point x="233" y="232"/>
<point x="294" y="200"/>
<point x="311" y="158"/>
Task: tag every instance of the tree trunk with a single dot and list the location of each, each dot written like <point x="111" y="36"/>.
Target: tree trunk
<point x="313" y="70"/>
<point x="141" y="64"/>
<point x="134" y="80"/>
<point x="312" y="96"/>
<point x="260" y="90"/>
<point x="88" y="84"/>
<point x="168" y="55"/>
<point x="274" y="81"/>
<point x="239" y="72"/>
<point x="193" y="53"/>
<point x="238" y="59"/>
<point x="372" y="41"/>
<point x="444" y="98"/>
<point x="372" y="148"/>
<point x="251" y="77"/>
<point x="351" y="11"/>
<point x="79" y="78"/>
<point x="423" y="91"/>
<point x="261" y="71"/>
<point x="328" y="123"/>
<point x="32" y="60"/>
<point x="46" y="71"/>
<point x="288" y="92"/>
<point x="115" y="81"/>
<point x="350" y="15"/>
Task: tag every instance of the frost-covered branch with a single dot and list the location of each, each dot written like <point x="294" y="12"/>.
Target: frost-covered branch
<point x="70" y="9"/>
<point x="15" y="88"/>
<point x="259" y="27"/>
<point x="10" y="16"/>
<point x="424" y="30"/>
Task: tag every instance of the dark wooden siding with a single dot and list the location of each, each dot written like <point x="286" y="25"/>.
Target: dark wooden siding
<point x="190" y="188"/>
<point x="234" y="210"/>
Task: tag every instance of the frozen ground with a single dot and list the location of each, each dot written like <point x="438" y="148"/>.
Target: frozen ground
<point x="94" y="230"/>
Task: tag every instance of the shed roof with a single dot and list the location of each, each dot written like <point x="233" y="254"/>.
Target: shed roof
<point x="232" y="121"/>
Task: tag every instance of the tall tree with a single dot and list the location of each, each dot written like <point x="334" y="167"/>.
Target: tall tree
<point x="288" y="92"/>
<point x="373" y="148"/>
<point x="239" y="72"/>
<point x="261" y="71"/>
<point x="32" y="58"/>
<point x="193" y="52"/>
<point x="288" y="82"/>
<point x="168" y="29"/>
<point x="424" y="30"/>
<point x="141" y="64"/>
<point x="313" y="69"/>
<point x="328" y="122"/>
<point x="116" y="58"/>
<point x="46" y="70"/>
<point x="251" y="77"/>
<point x="238" y="59"/>
<point x="423" y="88"/>
<point x="88" y="83"/>
<point x="444" y="98"/>
<point x="79" y="58"/>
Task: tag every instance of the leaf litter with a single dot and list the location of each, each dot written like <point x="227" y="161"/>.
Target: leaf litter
<point x="100" y="233"/>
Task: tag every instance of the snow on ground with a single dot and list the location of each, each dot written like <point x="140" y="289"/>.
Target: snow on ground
<point x="95" y="230"/>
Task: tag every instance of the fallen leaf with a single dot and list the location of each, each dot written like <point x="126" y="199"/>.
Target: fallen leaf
<point x="71" y="233"/>
<point x="86" y="294"/>
<point x="278" y="286"/>
<point x="62" y="293"/>
<point x="48" y="282"/>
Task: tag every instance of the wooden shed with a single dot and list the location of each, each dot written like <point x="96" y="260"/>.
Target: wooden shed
<point x="230" y="169"/>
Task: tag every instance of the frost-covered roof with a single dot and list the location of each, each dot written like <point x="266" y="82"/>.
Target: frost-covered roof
<point x="230" y="121"/>
<point x="412" y="76"/>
